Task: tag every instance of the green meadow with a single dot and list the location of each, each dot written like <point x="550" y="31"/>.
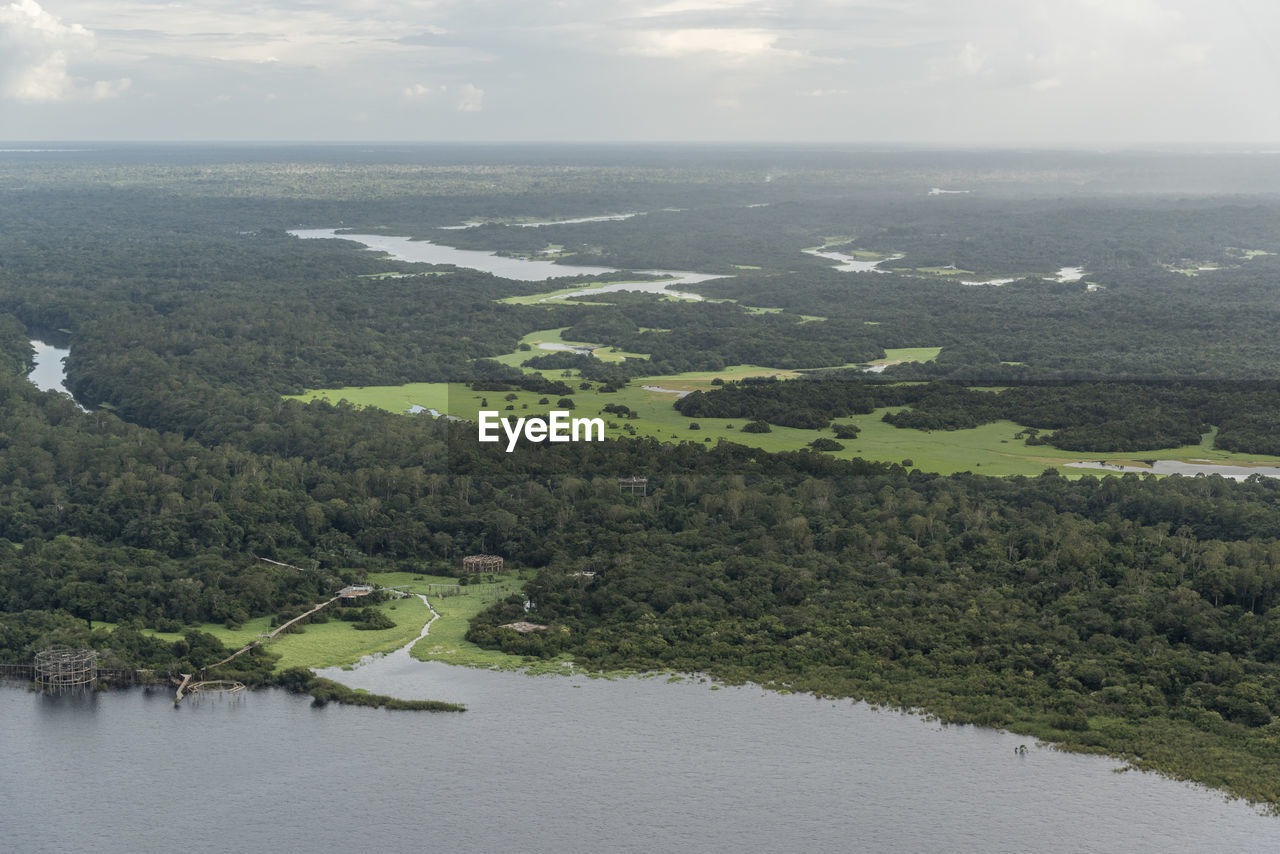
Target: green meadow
<point x="989" y="449"/>
<point x="338" y="642"/>
<point x="393" y="398"/>
<point x="560" y="294"/>
<point x="328" y="644"/>
<point x="446" y="641"/>
<point x="556" y="336"/>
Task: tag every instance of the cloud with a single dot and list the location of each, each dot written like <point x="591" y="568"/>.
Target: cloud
<point x="470" y="99"/>
<point x="679" y="7"/>
<point x="105" y="90"/>
<point x="34" y="46"/>
<point x="422" y="92"/>
<point x="36" y="49"/>
<point x="767" y="69"/>
<point x="1101" y="46"/>
<point x="741" y="43"/>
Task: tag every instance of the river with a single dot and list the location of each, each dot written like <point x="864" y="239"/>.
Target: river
<point x="567" y="764"/>
<point x="426" y="252"/>
<point x="518" y="269"/>
<point x="49" y="373"/>
<point x="543" y="223"/>
<point x="850" y="264"/>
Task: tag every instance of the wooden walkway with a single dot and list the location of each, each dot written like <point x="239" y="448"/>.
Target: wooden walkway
<point x="272" y="636"/>
<point x="184" y="689"/>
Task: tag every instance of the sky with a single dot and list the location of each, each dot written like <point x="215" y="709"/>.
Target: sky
<point x="1041" y="73"/>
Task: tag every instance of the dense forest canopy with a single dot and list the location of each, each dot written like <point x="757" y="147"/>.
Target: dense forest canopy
<point x="1133" y="615"/>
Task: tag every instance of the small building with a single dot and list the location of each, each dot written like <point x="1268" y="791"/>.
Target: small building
<point x="354" y="591"/>
<point x="634" y="485"/>
<point x="479" y="564"/>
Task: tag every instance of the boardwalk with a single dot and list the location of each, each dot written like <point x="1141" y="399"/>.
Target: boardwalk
<point x="184" y="689"/>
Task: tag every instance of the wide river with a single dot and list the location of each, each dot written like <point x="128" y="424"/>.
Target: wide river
<point x="518" y="269"/>
<point x="567" y="764"/>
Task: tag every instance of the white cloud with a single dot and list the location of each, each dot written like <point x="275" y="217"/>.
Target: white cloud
<point x="105" y="90"/>
<point x="972" y="59"/>
<point x="470" y="99"/>
<point x="740" y="43"/>
<point x="422" y="92"/>
<point x="34" y="48"/>
<point x="678" y="7"/>
<point x="768" y="69"/>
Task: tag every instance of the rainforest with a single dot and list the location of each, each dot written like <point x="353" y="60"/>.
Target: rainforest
<point x="856" y="482"/>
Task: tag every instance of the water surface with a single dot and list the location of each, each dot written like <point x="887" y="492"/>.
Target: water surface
<point x="850" y="264"/>
<point x="518" y="269"/>
<point x="49" y="372"/>
<point x="1190" y="468"/>
<point x="568" y="764"/>
<point x="426" y="252"/>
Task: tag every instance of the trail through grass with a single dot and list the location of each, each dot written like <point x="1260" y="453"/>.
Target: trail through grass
<point x="446" y="641"/>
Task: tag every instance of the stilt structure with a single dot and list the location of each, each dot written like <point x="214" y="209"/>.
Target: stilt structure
<point x="61" y="671"/>
<point x="477" y="564"/>
<point x="634" y="485"/>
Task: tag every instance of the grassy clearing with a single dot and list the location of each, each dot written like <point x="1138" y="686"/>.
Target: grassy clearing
<point x="330" y="644"/>
<point x="911" y="354"/>
<point x="755" y="309"/>
<point x="556" y="336"/>
<point x="446" y="641"/>
<point x="231" y="638"/>
<point x="989" y="449"/>
<point x="338" y="642"/>
<point x="613" y="354"/>
<point x="694" y="380"/>
<point x="892" y="356"/>
<point x="393" y="398"/>
<point x="557" y="295"/>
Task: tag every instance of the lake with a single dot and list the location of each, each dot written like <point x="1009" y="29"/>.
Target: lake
<point x="567" y="764"/>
